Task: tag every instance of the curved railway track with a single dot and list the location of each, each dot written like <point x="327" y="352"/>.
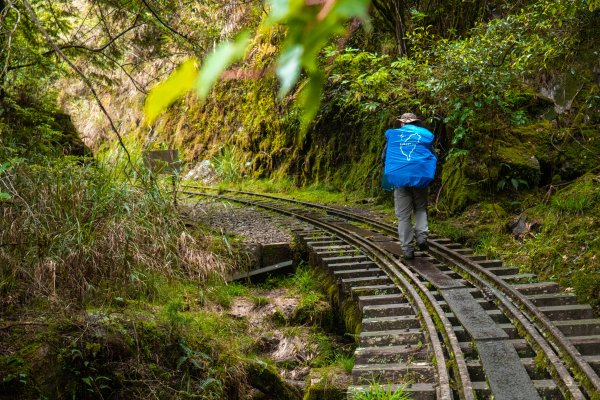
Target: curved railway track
<point x="451" y="324"/>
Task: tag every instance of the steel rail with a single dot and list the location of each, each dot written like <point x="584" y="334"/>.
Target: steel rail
<point x="556" y="339"/>
<point x="328" y="209"/>
<point x="383" y="260"/>
<point x="400" y="272"/>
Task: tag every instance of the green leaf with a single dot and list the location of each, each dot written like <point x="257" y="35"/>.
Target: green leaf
<point x="288" y="68"/>
<point x="279" y="11"/>
<point x="310" y="98"/>
<point x="208" y="381"/>
<point x="181" y="361"/>
<point x="352" y="8"/>
<point x="4" y="166"/>
<point x="222" y="57"/>
<point x="165" y="93"/>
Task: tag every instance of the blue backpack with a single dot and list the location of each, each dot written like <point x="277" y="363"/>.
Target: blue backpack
<point x="409" y="159"/>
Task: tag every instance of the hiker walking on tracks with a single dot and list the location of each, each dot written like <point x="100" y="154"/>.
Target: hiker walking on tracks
<point x="409" y="168"/>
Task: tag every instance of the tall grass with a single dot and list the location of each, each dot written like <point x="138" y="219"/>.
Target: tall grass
<point x="381" y="392"/>
<point x="578" y="198"/>
<point x="73" y="232"/>
<point x="229" y="164"/>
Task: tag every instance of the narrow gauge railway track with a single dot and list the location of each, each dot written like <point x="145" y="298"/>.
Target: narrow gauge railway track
<point x="505" y="334"/>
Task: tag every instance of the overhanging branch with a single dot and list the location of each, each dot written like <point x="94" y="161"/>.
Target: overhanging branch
<point x="85" y="79"/>
<point x="79" y="47"/>
<point x="166" y="25"/>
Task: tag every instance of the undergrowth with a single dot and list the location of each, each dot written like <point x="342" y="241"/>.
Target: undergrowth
<point x="188" y="344"/>
<point x="171" y="350"/>
<point x="75" y="230"/>
<point x="560" y="240"/>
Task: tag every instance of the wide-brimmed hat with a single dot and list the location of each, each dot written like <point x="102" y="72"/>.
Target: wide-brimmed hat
<point x="407" y="118"/>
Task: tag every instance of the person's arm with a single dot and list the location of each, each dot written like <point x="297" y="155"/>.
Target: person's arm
<point x="383" y="153"/>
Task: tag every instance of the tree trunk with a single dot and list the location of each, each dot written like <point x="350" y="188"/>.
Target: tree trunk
<point x="3" y="52"/>
<point x="400" y="29"/>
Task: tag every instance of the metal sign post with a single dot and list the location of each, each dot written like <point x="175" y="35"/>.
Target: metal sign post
<point x="165" y="162"/>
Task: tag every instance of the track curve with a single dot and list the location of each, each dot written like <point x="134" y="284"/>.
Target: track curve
<point x="571" y="371"/>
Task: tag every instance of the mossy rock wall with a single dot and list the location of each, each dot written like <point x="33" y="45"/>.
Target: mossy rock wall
<point x="342" y="147"/>
<point x="564" y="153"/>
<point x="34" y="130"/>
<point x="518" y="159"/>
<point x="459" y="187"/>
<point x="266" y="134"/>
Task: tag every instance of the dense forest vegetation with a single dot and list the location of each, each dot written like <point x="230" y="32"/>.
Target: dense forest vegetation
<point x="300" y="95"/>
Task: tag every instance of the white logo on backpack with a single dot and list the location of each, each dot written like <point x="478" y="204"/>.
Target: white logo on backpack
<point x="405" y="142"/>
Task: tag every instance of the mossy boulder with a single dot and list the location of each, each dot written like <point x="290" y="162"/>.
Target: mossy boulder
<point x="314" y="312"/>
<point x="70" y="141"/>
<point x="28" y="365"/>
<point x="563" y="153"/>
<point x="33" y="130"/>
<point x="517" y="158"/>
<point x="265" y="378"/>
<point x="579" y="153"/>
<point x="515" y="164"/>
<point x="327" y="384"/>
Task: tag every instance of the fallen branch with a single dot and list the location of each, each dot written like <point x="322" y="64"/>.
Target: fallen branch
<point x="21" y="323"/>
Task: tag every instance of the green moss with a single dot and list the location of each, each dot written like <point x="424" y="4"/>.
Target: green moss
<point x="327" y="384"/>
<point x="521" y="159"/>
<point x="267" y="379"/>
<point x="37" y="130"/>
<point x="345" y="308"/>
<point x="564" y="248"/>
<point x="580" y="152"/>
<point x="114" y="351"/>
<point x="579" y="198"/>
<point x="567" y="152"/>
<point x="586" y="284"/>
<point x="314" y="311"/>
<point x="14" y="376"/>
<point x="516" y="161"/>
<point x="459" y="190"/>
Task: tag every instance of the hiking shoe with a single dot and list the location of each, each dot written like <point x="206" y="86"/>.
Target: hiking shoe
<point x="423" y="246"/>
<point x="409" y="255"/>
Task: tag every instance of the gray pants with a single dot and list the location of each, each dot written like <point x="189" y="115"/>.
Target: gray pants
<point x="407" y="200"/>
